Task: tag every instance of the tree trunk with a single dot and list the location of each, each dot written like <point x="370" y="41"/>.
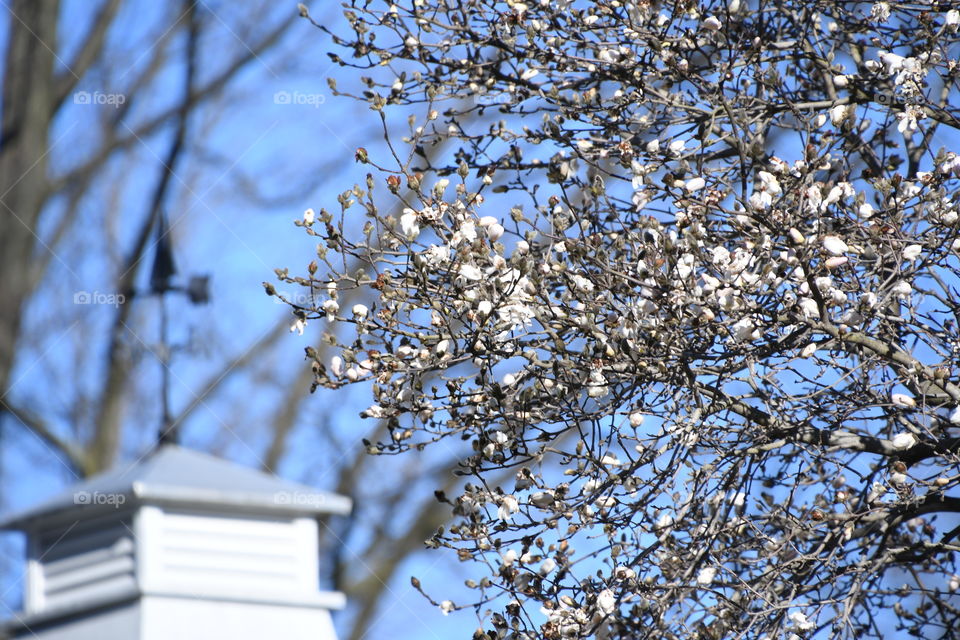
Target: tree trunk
<point x="28" y="106"/>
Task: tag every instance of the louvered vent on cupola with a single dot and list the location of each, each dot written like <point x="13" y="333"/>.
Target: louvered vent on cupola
<point x="81" y="563"/>
<point x="178" y="545"/>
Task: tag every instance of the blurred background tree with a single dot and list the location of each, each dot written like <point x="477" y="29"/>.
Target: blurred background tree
<point x="146" y="151"/>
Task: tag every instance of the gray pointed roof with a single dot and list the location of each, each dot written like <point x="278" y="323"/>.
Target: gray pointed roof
<point x="175" y="475"/>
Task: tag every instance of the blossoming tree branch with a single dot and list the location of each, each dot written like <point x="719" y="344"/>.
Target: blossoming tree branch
<point x="680" y="280"/>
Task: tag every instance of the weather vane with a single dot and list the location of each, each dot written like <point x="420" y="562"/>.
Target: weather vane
<point x="162" y="282"/>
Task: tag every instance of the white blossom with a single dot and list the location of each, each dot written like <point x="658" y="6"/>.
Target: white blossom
<point x="954" y="583"/>
<point x="908" y="119"/>
<point x="336" y="366"/>
<point x="508" y="507"/>
<point x="903" y="441"/>
<point x="542" y="499"/>
<point x="712" y="23"/>
<point x="745" y="330"/>
<point x="440" y="187"/>
<point x="706" y="576"/>
<point x="360" y="310"/>
<point x="880" y="11"/>
<point x="309" y="216"/>
<point x="408" y="223"/>
<point x="470" y="272"/>
<point x="912" y="252"/>
<point x="624" y="573"/>
<point x="760" y="200"/>
<point x="298" y="326"/>
<point x="834" y="245"/>
<point x="902" y="289"/>
<point x="597" y="385"/>
<point x="878" y="489"/>
<point x="436" y="255"/>
<point x="516" y="313"/>
<point x="466" y="231"/>
<point x="952" y="19"/>
<point x="331" y="307"/>
<point x="374" y="411"/>
<point x="839" y="114"/>
<point x="664" y="521"/>
<point x="606" y="602"/>
<point x="610" y="460"/>
<point x="903" y="400"/>
<point x="640" y="199"/>
<point x="814" y="198"/>
<point x="581" y="283"/>
<point x="770" y="183"/>
<point x="837" y="193"/>
<point x="891" y="61"/>
<point x="547" y="566"/>
<point x="799" y="619"/>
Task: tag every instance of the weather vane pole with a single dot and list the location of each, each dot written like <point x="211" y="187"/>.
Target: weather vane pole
<point x="164" y="268"/>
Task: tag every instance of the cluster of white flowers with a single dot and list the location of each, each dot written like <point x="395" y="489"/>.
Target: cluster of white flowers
<point x="649" y="322"/>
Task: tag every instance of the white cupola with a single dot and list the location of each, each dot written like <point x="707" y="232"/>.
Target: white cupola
<point x="177" y="545"/>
